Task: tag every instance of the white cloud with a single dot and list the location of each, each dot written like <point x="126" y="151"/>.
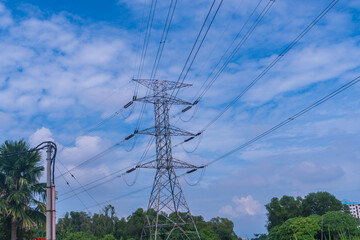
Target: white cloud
<point x="312" y="64"/>
<point x="85" y="148"/>
<point x="5" y="17"/>
<point x="41" y="135"/>
<point x="242" y="207"/>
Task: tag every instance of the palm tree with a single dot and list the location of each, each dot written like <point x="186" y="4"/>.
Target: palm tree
<point x="22" y="196"/>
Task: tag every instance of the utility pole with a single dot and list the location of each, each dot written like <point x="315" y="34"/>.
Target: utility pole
<point x="50" y="197"/>
<point x="168" y="213"/>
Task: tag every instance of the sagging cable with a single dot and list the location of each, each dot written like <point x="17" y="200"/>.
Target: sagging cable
<point x="135" y="179"/>
<point x="197" y="144"/>
<point x="200" y="177"/>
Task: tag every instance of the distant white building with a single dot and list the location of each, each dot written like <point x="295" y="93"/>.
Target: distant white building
<point x="354" y="207"/>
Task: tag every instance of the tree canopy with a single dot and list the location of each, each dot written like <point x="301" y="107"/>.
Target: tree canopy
<point x="22" y="196"/>
<point x="80" y="225"/>
<point x="288" y="207"/>
<point x="319" y="203"/>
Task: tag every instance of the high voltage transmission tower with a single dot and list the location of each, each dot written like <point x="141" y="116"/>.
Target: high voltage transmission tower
<point x="168" y="215"/>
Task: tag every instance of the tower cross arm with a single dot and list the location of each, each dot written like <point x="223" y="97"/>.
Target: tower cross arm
<point x="174" y="131"/>
<point x="166" y="98"/>
<point x="163" y="85"/>
<point x="174" y="163"/>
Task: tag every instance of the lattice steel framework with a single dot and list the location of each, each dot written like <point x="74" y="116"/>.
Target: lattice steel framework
<point x="168" y="215"/>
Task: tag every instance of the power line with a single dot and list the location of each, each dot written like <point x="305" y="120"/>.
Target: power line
<point x="97" y="180"/>
<point x="273" y="63"/>
<point x="139" y="163"/>
<point x="162" y="42"/>
<point x="97" y="156"/>
<point x="163" y="38"/>
<point x="288" y="120"/>
<point x="121" y="196"/>
<point x="67" y="183"/>
<point x="216" y="66"/>
<point x="201" y="92"/>
<point x="121" y="175"/>
<point x="238" y="46"/>
<point x="78" y="182"/>
<point x="198" y="48"/>
<point x="147" y="37"/>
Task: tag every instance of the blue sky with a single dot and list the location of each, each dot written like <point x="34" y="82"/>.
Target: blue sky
<point x="67" y="65"/>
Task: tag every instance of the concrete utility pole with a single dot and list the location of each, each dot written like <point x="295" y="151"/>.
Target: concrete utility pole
<point x="50" y="197"/>
<point x="168" y="214"/>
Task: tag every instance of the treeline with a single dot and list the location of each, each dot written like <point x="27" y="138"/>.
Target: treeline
<point x="316" y="216"/>
<point x="106" y="226"/>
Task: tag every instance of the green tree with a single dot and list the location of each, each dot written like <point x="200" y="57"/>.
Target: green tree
<point x="80" y="236"/>
<point x="107" y="226"/>
<point x="260" y="236"/>
<point x="22" y="195"/>
<point x="223" y="228"/>
<point x="319" y="203"/>
<point x="281" y="210"/>
<point x="108" y="237"/>
<point x="207" y="234"/>
<point x="336" y="224"/>
<point x="5" y="227"/>
<point x="135" y="224"/>
<point x="300" y="228"/>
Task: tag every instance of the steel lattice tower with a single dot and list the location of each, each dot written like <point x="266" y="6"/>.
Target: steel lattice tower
<point x="168" y="215"/>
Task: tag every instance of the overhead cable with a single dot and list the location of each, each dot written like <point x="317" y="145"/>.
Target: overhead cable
<point x="272" y="64"/>
<point x="290" y="119"/>
<point x="187" y="64"/>
<point x="68" y="184"/>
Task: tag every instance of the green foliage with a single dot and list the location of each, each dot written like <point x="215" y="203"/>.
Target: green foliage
<point x="288" y="207"/>
<point x="106" y="226"/>
<point x="80" y="236"/>
<point x="22" y="196"/>
<point x="319" y="203"/>
<point x="223" y="228"/>
<point x="207" y="234"/>
<point x="337" y="224"/>
<point x="281" y="210"/>
<point x="300" y="219"/>
<point x="109" y="237"/>
<point x="5" y="226"/>
<point x="301" y="228"/>
<point x="261" y="236"/>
